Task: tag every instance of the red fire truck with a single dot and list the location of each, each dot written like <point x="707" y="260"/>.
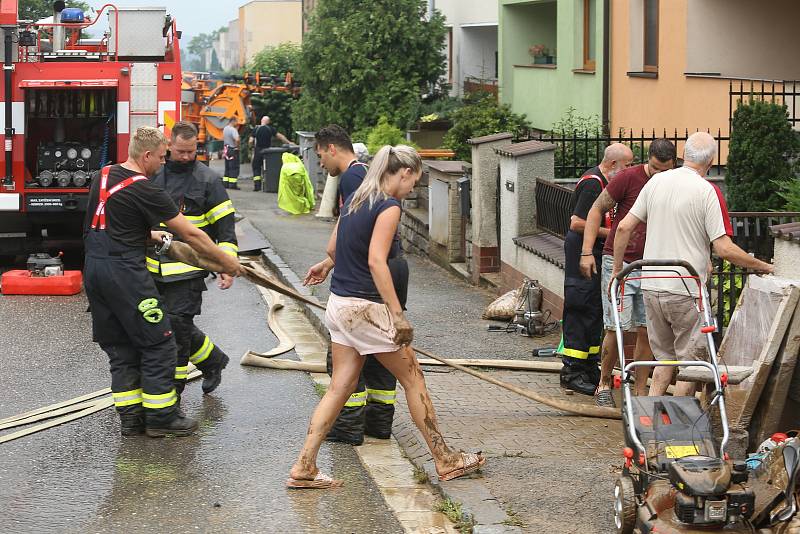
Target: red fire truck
<point x="69" y="105"/>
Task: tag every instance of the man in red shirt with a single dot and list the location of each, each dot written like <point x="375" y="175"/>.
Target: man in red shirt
<point x="622" y="193"/>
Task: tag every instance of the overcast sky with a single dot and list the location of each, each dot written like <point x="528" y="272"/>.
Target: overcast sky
<point x="194" y="16"/>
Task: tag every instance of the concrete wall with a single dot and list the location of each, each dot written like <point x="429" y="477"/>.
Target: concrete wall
<point x="743" y="38"/>
<point x="268" y="23"/>
<point x="542" y="93"/>
<point x="787" y="259"/>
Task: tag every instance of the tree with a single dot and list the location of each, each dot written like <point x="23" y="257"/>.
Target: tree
<point x="763" y="150"/>
<point x="41" y="9"/>
<point x="276" y="60"/>
<point x="363" y="60"/>
<point x="201" y="44"/>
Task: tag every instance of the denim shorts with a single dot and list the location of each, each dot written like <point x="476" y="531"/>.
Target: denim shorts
<point x="632" y="315"/>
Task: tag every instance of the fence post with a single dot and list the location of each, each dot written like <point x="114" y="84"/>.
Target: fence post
<point x="520" y="165"/>
<point x="485" y="162"/>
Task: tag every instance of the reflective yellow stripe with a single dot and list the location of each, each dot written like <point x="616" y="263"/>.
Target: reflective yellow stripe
<point x="127" y="398"/>
<point x="573" y="353"/>
<point x="229" y="248"/>
<point x="357" y="399"/>
<point x="152" y="264"/>
<point x="382" y="396"/>
<point x="162" y="400"/>
<point x="175" y="268"/>
<point x="182" y="372"/>
<point x="197" y="220"/>
<point x="203" y="352"/>
<point x="256" y="178"/>
<point x="220" y="210"/>
<point x="594" y="350"/>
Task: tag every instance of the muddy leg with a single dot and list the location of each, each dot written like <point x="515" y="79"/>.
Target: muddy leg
<point x="405" y="367"/>
<point x="347" y="364"/>
<point x="609" y="357"/>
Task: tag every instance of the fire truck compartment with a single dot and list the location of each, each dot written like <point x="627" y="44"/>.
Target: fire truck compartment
<point x="71" y="134"/>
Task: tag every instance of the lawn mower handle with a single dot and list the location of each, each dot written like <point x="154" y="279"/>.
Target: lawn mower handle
<point x="638" y="264"/>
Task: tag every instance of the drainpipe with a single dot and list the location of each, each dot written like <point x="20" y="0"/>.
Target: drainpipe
<point x="431" y="7"/>
<point x="606" y="63"/>
<point x="8" y="68"/>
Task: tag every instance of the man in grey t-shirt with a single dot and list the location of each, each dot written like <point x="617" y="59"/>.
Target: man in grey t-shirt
<point x="230" y="140"/>
<point x="684" y="221"/>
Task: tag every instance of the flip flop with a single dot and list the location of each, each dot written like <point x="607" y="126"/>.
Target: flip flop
<point x="471" y="463"/>
<point x="321" y="481"/>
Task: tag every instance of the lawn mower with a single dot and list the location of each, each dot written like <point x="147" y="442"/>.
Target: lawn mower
<point x="677" y="477"/>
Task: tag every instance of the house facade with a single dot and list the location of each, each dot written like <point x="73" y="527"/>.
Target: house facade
<point x="471" y="44"/>
<point x="227" y="47"/>
<point x="569" y="38"/>
<point x="268" y="23"/>
<point x="673" y="61"/>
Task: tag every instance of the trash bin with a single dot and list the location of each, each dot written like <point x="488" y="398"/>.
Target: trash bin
<point x="310" y="160"/>
<point x="271" y="167"/>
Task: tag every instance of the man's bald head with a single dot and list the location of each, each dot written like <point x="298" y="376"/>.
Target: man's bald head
<point x="264" y="120"/>
<point x="616" y="157"/>
<point x="700" y="149"/>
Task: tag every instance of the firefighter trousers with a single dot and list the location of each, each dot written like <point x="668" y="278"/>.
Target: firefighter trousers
<point x="370" y="409"/>
<point x="130" y="325"/>
<point x="231" y="157"/>
<point x="183" y="299"/>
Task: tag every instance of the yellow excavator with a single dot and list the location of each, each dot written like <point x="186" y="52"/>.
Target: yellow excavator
<point x="209" y="103"/>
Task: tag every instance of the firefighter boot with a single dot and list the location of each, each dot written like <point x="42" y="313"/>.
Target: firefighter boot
<point x="212" y="375"/>
<point x="575" y="375"/>
<point x="179" y="426"/>
<point x="131" y="424"/>
<point x="256" y="185"/>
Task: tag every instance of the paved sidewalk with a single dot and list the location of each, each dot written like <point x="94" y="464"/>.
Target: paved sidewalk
<point x="546" y="471"/>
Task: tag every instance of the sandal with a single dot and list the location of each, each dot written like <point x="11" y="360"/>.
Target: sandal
<point x="471" y="462"/>
<point x="604" y="399"/>
<point x="321" y="481"/>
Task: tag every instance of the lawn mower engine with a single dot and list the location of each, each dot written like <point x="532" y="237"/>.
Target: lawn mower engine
<point x="709" y="491"/>
<point x="41" y="264"/>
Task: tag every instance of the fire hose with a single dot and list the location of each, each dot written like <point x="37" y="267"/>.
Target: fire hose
<point x="184" y="253"/>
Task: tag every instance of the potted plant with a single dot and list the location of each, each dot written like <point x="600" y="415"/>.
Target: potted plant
<point x="539" y="52"/>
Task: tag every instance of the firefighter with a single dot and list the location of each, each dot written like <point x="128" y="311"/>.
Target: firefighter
<point x="128" y="319"/>
<point x="230" y="153"/>
<point x="370" y="409"/>
<point x="199" y="195"/>
<point x="261" y="139"/>
<point x="582" y="320"/>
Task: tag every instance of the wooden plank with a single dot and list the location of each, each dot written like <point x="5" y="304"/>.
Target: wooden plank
<point x="736" y="374"/>
<point x="769" y="411"/>
<point x="763" y="365"/>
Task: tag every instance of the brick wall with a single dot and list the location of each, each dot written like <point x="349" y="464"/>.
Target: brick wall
<point x="414" y="231"/>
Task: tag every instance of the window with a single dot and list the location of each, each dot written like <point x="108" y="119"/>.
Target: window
<point x="651" y="35"/>
<point x="589" y="42"/>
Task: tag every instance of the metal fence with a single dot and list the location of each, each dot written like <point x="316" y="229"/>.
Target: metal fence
<point x="751" y="233"/>
<point x="576" y="151"/>
<point x="553" y="207"/>
<point x="786" y="92"/>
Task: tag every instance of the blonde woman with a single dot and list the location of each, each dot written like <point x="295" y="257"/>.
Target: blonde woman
<point x="364" y="316"/>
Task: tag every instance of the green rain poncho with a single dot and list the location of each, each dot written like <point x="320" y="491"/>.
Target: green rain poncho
<point x="295" y="192"/>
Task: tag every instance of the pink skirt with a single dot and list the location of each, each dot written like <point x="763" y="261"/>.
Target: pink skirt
<point x="359" y="323"/>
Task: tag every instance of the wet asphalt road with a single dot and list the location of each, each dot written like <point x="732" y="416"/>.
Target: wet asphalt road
<point x="84" y="477"/>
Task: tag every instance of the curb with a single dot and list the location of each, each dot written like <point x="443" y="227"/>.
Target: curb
<point x="477" y="503"/>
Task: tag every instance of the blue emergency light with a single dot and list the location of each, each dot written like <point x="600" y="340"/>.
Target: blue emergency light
<point x="72" y="15"/>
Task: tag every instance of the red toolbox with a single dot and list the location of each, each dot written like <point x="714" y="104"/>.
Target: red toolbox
<point x="22" y="283"/>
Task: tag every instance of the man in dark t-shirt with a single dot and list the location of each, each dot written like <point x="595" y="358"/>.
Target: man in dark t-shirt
<point x="261" y="138"/>
<point x="582" y="319"/>
<point x="622" y="192"/>
<point x="128" y="321"/>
